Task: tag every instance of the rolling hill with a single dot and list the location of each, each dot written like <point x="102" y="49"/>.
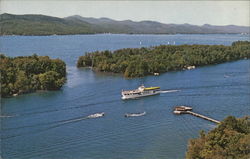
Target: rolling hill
<point x="46" y="25"/>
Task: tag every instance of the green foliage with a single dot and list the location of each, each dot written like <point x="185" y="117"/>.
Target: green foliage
<point x="41" y="25"/>
<point x="46" y="25"/>
<point x="50" y="80"/>
<point x="230" y="140"/>
<point x="146" y="61"/>
<point x="27" y="74"/>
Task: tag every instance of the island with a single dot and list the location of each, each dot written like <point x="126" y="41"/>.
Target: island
<point x="25" y="74"/>
<point x="139" y="62"/>
<point x="230" y="139"/>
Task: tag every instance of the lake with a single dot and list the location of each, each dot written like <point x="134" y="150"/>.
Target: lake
<point x="53" y="124"/>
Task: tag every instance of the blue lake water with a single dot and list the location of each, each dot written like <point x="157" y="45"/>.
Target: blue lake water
<point x="44" y="125"/>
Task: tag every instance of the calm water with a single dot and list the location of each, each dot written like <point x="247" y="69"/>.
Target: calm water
<point x="44" y="125"/>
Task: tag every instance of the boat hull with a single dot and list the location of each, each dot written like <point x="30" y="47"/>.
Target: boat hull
<point x="133" y="96"/>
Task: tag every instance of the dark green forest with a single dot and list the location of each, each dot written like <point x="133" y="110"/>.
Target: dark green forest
<point x="26" y="74"/>
<point x="33" y="24"/>
<point x="230" y="140"/>
<point x="139" y="62"/>
<point x="41" y="25"/>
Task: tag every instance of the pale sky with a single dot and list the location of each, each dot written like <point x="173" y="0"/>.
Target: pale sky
<point x="178" y="12"/>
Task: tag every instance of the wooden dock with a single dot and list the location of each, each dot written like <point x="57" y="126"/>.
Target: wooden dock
<point x="187" y="110"/>
<point x="203" y="117"/>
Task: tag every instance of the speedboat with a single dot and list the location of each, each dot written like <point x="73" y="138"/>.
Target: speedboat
<point x="134" y="114"/>
<point x="96" y="115"/>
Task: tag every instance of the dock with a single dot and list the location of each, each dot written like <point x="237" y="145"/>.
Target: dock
<point x="187" y="110"/>
<point x="203" y="117"/>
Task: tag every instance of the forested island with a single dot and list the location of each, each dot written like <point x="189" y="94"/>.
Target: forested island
<point x="230" y="140"/>
<point x="139" y="62"/>
<point x="27" y="74"/>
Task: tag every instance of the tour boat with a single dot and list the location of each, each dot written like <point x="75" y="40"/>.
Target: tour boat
<point x="140" y="92"/>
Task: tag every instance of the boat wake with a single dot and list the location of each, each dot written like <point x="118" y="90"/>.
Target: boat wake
<point x="97" y="115"/>
<point x="169" y="91"/>
<point x="53" y="125"/>
<point x="135" y="114"/>
<point x="7" y="116"/>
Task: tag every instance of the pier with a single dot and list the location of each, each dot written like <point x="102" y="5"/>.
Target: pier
<point x="187" y="110"/>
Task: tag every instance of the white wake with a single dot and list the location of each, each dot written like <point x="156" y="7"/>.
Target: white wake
<point x="169" y="91"/>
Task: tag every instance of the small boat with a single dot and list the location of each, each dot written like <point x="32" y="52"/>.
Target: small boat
<point x="182" y="108"/>
<point x="134" y="114"/>
<point x="96" y="115"/>
<point x="177" y="112"/>
<point x="140" y="92"/>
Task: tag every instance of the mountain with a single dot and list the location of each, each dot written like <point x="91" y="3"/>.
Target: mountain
<point x="41" y="25"/>
<point x="147" y="27"/>
<point x="47" y="25"/>
<point x="228" y="28"/>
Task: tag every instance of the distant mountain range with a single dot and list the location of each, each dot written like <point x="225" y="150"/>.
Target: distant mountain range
<point x="46" y="25"/>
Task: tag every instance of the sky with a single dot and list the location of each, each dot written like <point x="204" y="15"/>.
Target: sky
<point x="178" y="12"/>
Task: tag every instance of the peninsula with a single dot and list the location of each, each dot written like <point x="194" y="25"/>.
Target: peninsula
<point x="27" y="74"/>
<point x="139" y="62"/>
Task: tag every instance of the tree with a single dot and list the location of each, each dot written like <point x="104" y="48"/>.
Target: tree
<point x="49" y="80"/>
<point x="230" y="140"/>
<point x="26" y="74"/>
<point x="22" y="82"/>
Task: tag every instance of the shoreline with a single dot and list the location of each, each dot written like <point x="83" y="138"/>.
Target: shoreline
<point x="30" y="92"/>
<point x="95" y="70"/>
<point x="130" y="34"/>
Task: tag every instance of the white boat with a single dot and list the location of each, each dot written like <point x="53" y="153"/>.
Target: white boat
<point x="135" y="114"/>
<point x="140" y="92"/>
<point x="97" y="115"/>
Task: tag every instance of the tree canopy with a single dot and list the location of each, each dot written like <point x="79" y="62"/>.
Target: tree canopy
<point x="30" y="73"/>
<point x="230" y="140"/>
<point x="139" y="62"/>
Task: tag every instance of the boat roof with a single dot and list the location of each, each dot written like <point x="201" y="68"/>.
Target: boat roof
<point x="138" y="91"/>
<point x="151" y="88"/>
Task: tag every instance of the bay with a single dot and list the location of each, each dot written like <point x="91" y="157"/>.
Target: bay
<point x="42" y="125"/>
